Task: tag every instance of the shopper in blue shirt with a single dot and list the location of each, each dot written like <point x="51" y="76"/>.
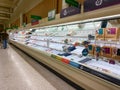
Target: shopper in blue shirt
<point x="4" y="39"/>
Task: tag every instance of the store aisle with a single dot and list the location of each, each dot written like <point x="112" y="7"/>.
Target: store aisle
<point x="17" y="74"/>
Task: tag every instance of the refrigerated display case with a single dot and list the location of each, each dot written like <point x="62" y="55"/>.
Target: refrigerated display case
<point x="64" y="43"/>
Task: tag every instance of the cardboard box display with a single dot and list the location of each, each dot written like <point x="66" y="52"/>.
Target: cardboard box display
<point x="100" y="34"/>
<point x="91" y="48"/>
<point x="95" y="52"/>
<point x="106" y="51"/>
<point x="112" y="34"/>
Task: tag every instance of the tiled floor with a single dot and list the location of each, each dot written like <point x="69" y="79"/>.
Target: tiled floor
<point x="22" y="73"/>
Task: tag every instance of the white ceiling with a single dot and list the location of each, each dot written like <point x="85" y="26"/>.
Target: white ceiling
<point x="11" y="9"/>
<point x="23" y="7"/>
<point x="6" y="9"/>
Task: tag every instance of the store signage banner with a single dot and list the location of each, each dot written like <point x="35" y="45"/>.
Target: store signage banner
<point x="34" y="21"/>
<point x="36" y="17"/>
<point x="51" y="15"/>
<point x="69" y="12"/>
<point x="90" y="5"/>
<point x="72" y="2"/>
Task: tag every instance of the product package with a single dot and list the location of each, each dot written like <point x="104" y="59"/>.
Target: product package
<point x="97" y="49"/>
<point x="100" y="34"/>
<point x="91" y="49"/>
<point x="107" y="51"/>
<point x="112" y="34"/>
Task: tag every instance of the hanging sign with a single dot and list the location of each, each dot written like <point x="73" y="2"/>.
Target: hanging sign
<point x="69" y="12"/>
<point x="51" y="15"/>
<point x="90" y="5"/>
<point x="72" y="2"/>
<point x="35" y="19"/>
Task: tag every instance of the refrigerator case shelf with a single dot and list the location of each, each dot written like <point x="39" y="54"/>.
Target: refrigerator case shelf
<point x="67" y="59"/>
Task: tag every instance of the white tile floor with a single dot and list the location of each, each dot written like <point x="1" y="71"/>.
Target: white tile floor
<point x="19" y="74"/>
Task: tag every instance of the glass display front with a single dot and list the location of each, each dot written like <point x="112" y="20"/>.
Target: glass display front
<point x="76" y="45"/>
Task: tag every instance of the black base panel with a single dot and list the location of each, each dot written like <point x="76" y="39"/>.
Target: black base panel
<point x="101" y="75"/>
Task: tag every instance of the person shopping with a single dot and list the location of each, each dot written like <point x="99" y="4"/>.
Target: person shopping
<point x="4" y="39"/>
